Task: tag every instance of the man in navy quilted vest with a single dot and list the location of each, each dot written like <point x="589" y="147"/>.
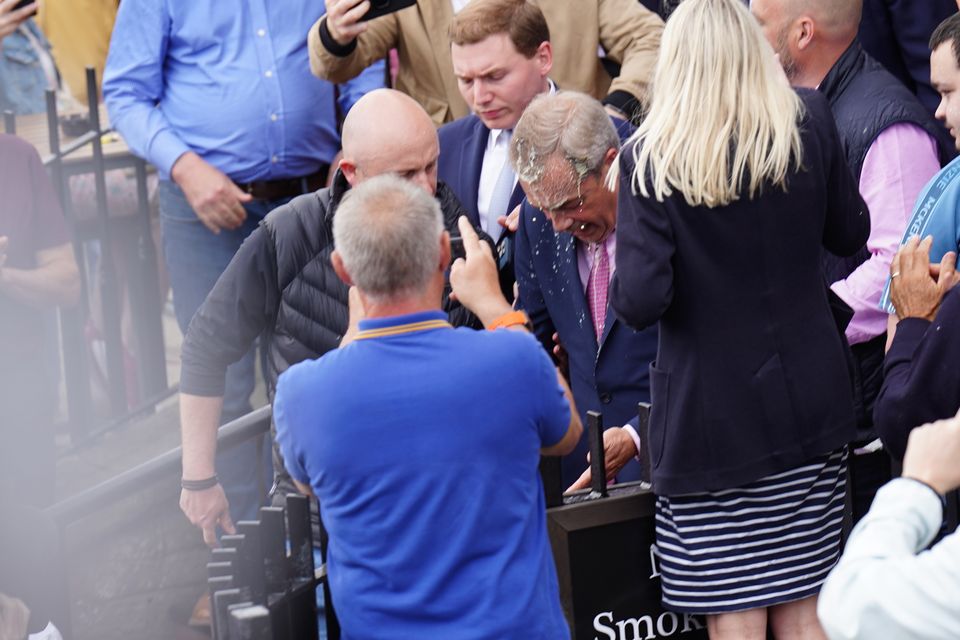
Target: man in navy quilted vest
<point x="893" y="147"/>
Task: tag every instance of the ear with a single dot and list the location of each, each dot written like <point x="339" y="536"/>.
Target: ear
<point x="805" y="30"/>
<point x="445" y="251"/>
<point x="339" y="269"/>
<point x="544" y="57"/>
<point x="349" y="170"/>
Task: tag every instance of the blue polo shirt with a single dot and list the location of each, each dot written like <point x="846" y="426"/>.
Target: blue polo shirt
<point x="422" y="443"/>
<point x="936" y="213"/>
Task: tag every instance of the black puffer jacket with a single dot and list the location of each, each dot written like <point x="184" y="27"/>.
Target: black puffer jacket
<point x="311" y="316"/>
<point x="282" y="287"/>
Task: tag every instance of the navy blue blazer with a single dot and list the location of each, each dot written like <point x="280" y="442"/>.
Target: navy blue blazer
<point x="921" y="380"/>
<point x="751" y="376"/>
<point x="612" y="377"/>
<point x="462" y="145"/>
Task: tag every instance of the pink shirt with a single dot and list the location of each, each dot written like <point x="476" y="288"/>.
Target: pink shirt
<point x="585" y="258"/>
<point x="897" y="166"/>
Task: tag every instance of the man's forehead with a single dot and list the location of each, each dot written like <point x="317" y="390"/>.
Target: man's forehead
<point x="943" y="65"/>
<point x="557" y="183"/>
<point x="484" y="57"/>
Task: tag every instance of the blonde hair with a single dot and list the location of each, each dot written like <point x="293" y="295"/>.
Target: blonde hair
<point x="722" y="110"/>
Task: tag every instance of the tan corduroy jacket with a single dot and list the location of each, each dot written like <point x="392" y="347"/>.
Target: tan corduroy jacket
<point x="628" y="33"/>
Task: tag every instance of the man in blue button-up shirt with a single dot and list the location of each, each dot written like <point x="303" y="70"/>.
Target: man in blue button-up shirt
<point x="219" y="97"/>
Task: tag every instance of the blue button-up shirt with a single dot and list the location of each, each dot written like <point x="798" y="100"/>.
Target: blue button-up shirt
<point x="228" y="80"/>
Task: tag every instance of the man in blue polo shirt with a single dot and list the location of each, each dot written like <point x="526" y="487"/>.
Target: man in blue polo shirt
<point x="422" y="442"/>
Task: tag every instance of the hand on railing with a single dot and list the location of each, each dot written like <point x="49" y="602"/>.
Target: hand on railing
<point x="207" y="509"/>
<point x="619" y="448"/>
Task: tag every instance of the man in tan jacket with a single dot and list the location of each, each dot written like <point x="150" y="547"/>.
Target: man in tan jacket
<point x="341" y="46"/>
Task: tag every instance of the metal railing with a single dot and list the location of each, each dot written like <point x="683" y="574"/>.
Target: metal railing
<point x="165" y="467"/>
<point x="142" y="279"/>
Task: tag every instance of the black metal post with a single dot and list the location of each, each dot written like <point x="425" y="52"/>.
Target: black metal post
<point x="10" y="122"/>
<point x="598" y="467"/>
<point x="145" y="303"/>
<point x="301" y="537"/>
<point x="643" y="413"/>
<point x="251" y="622"/>
<point x="552" y="478"/>
<point x="220" y="604"/>
<point x="273" y="540"/>
<point x="252" y="560"/>
<point x="109" y="283"/>
<point x="75" y="362"/>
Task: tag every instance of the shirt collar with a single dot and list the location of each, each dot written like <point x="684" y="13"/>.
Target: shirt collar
<point x="407" y="323"/>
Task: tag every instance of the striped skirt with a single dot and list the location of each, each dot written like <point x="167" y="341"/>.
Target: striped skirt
<point x="771" y="541"/>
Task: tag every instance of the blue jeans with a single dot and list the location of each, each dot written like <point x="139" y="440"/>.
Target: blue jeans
<point x="195" y="258"/>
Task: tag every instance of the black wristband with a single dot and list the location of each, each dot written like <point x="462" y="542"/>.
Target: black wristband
<point x="331" y="45"/>
<point x="199" y="485"/>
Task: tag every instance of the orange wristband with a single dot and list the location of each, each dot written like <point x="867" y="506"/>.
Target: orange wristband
<point x="510" y="319"/>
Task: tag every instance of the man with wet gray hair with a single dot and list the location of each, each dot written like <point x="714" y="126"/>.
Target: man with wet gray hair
<point x="562" y="149"/>
<point x="453" y="506"/>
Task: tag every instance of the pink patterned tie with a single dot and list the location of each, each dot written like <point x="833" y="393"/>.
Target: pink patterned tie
<point x="597" y="286"/>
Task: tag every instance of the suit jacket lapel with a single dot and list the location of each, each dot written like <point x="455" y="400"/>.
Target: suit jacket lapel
<point x="608" y="323"/>
<point x="576" y="298"/>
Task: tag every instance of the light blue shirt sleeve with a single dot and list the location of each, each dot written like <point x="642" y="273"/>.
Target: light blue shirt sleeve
<point x="133" y="83"/>
<point x="371" y="78"/>
<point x="886" y="585"/>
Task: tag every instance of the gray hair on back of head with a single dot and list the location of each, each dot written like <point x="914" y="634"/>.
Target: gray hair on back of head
<point x="387" y="232"/>
<point x="571" y="123"/>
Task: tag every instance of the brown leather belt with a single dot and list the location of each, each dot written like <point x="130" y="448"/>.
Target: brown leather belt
<point x="287" y="187"/>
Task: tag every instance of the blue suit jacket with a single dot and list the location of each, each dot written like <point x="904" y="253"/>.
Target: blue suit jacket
<point x="462" y="145"/>
<point x="612" y="377"/>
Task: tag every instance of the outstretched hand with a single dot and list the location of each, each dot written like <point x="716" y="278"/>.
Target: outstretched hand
<point x="618" y="449"/>
<point x="474" y="279"/>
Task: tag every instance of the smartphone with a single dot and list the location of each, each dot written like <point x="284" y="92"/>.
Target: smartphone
<point x="383" y="7"/>
<point x="456" y="248"/>
<point x="22" y="4"/>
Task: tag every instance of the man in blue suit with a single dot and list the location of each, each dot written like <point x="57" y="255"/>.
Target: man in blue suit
<point x="501" y="57"/>
<point x="562" y="148"/>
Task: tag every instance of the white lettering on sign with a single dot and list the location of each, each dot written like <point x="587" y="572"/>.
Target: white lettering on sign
<point x="644" y="627"/>
<point x="654" y="565"/>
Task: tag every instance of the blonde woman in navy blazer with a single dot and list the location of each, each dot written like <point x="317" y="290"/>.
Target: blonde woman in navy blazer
<point x="730" y="190"/>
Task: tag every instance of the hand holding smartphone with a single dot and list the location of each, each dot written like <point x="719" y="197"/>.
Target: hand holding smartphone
<point x="383" y="7"/>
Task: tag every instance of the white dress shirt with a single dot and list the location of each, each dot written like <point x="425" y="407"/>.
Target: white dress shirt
<point x="886" y="587"/>
<point x="495" y="157"/>
<point x="458" y="5"/>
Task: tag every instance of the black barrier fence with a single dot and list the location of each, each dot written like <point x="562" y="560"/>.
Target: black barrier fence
<point x="163" y="468"/>
<point x="604" y="547"/>
<point x="95" y="240"/>
<point x="262" y="580"/>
